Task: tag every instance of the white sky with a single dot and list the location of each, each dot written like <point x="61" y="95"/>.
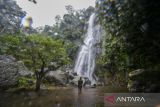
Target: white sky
<point x="44" y="12"/>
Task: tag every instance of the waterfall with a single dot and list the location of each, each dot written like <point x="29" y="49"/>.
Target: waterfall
<point x="85" y="62"/>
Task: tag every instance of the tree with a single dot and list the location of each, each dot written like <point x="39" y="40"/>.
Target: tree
<point x="40" y="51"/>
<point x="10" y="16"/>
<point x="37" y="52"/>
<point x="70" y="9"/>
<point x="58" y="20"/>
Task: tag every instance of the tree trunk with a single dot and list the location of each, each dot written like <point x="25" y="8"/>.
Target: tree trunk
<point x="39" y="76"/>
<point x="38" y="84"/>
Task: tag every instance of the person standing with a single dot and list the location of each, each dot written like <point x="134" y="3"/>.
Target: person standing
<point x="80" y="84"/>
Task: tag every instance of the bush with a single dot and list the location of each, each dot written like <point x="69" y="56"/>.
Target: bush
<point x="24" y="82"/>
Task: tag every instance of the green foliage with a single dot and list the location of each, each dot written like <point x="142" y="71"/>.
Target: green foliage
<point x="73" y="23"/>
<point x="72" y="28"/>
<point x="10" y="17"/>
<point x="10" y="44"/>
<point x="35" y="49"/>
<point x="115" y="58"/>
<point x="132" y="35"/>
<point x="41" y="48"/>
<point x="37" y="52"/>
<point x="25" y="82"/>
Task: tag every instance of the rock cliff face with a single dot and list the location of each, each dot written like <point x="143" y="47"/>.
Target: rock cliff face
<point x="10" y="70"/>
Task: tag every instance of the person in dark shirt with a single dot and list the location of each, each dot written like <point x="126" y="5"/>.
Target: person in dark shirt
<point x="80" y="83"/>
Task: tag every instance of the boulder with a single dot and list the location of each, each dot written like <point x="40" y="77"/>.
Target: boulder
<point x="58" y="76"/>
<point x="10" y="71"/>
<point x="8" y="74"/>
<point x="141" y="80"/>
<point x="23" y="70"/>
<point x="75" y="80"/>
<point x="7" y="58"/>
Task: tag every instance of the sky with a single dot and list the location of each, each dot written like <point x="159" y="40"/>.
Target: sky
<point x="44" y="12"/>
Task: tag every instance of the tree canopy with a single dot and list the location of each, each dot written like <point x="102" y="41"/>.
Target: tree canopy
<point x="10" y="16"/>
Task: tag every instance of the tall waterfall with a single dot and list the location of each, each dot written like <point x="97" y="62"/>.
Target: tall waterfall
<point x="85" y="63"/>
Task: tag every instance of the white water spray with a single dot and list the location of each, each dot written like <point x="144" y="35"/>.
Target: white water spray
<point x="85" y="63"/>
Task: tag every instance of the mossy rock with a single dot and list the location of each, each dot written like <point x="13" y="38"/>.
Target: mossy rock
<point x="144" y="81"/>
<point x="144" y="75"/>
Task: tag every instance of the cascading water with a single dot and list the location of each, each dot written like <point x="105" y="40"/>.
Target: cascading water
<point x="85" y="63"/>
